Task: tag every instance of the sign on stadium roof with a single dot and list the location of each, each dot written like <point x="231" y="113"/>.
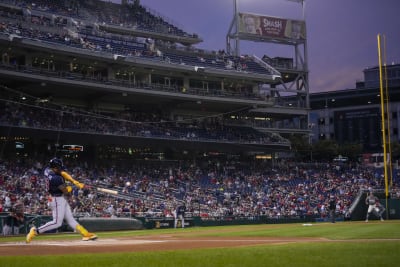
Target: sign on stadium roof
<point x="272" y="27"/>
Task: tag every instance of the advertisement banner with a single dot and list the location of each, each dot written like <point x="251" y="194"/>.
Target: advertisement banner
<point x="151" y="223"/>
<point x="272" y="27"/>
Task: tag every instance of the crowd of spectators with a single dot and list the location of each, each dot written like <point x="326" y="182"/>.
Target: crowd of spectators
<point x="76" y="34"/>
<point x="125" y="46"/>
<point x="128" y="123"/>
<point x="128" y="16"/>
<point x="210" y="189"/>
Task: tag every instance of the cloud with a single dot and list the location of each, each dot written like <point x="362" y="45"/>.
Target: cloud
<point x="335" y="79"/>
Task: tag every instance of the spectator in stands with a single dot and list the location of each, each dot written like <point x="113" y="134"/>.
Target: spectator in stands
<point x="7" y="202"/>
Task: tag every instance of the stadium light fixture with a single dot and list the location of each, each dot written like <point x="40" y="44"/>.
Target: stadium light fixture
<point x="199" y="69"/>
<point x="118" y="57"/>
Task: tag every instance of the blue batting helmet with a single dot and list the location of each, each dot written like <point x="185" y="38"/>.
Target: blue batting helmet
<point x="56" y="163"/>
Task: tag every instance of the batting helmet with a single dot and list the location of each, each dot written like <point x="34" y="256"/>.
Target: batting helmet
<point x="56" y="163"/>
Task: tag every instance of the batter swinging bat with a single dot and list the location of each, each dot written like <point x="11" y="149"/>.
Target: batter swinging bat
<point x="107" y="191"/>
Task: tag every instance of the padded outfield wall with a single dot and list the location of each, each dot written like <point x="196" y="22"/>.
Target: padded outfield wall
<point x="115" y="224"/>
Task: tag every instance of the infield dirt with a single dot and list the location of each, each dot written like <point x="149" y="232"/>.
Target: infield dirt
<point x="132" y="244"/>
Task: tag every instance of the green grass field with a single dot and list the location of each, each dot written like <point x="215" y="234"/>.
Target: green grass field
<point x="353" y="244"/>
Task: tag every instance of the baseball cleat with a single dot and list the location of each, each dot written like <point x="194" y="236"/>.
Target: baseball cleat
<point x="89" y="237"/>
<point x="32" y="233"/>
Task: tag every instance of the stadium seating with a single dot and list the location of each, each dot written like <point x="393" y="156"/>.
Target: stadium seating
<point x="28" y="115"/>
<point x="96" y="40"/>
<point x="153" y="191"/>
<point x="211" y="187"/>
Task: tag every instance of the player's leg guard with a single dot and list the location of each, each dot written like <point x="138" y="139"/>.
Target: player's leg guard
<point x="86" y="236"/>
<point x="32" y="233"/>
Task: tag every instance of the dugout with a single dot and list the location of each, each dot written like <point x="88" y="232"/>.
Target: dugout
<point x="110" y="224"/>
<point x="90" y="223"/>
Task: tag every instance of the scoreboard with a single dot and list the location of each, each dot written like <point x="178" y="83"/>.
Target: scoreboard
<point x="358" y="126"/>
<point x="73" y="148"/>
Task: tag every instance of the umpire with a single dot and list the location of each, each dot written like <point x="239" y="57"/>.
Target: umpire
<point x="332" y="208"/>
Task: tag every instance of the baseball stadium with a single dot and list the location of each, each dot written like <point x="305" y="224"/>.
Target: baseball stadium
<point x="124" y="144"/>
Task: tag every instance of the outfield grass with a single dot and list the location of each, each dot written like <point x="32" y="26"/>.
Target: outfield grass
<point x="355" y="244"/>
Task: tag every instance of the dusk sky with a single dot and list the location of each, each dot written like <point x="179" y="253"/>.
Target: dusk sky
<point x="341" y="34"/>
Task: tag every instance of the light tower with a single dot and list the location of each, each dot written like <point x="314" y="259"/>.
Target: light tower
<point x="283" y="32"/>
<point x="289" y="93"/>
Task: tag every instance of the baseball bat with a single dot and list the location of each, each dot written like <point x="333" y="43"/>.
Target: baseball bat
<point x="107" y="191"/>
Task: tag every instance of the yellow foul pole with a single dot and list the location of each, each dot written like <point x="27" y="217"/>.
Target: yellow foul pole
<point x="383" y="117"/>
<point x="389" y="142"/>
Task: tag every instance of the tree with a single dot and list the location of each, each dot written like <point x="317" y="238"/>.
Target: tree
<point x="395" y="147"/>
<point x="300" y="147"/>
<point x="325" y="150"/>
<point x="352" y="151"/>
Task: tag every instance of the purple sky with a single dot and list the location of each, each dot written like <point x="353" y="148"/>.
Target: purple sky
<point x="341" y="34"/>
